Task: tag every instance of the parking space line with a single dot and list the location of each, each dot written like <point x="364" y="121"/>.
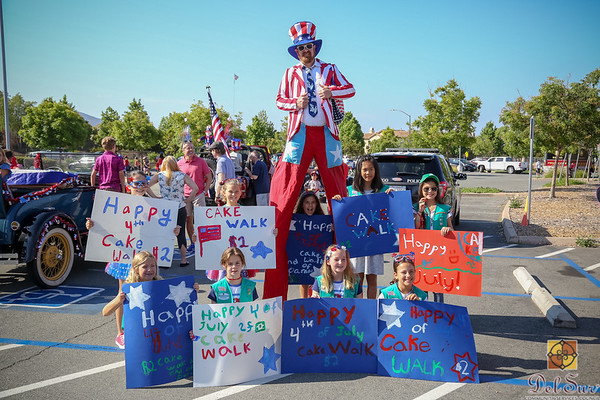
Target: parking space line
<point x="556" y="252"/>
<point x="581" y="271"/>
<point x="10" y="346"/>
<point x="75" y="346"/>
<point x="526" y="295"/>
<point x="498" y="248"/>
<point x="440" y="391"/>
<point x="230" y="391"/>
<point x="592" y="267"/>
<point x="60" y="379"/>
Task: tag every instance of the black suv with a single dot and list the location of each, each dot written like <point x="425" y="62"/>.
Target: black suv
<point x="402" y="169"/>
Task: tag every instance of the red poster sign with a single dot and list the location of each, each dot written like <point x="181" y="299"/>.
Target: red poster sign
<point x="450" y="264"/>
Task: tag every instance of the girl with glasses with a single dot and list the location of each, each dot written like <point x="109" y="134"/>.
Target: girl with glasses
<point x="404" y="275"/>
<point x="431" y="213"/>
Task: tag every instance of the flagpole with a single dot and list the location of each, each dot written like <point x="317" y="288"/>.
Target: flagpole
<point x="233" y="95"/>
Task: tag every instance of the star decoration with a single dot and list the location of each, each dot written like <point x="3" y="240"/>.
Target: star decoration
<point x="179" y="294"/>
<point x="316" y="272"/>
<point x="464" y="367"/>
<point x="291" y="149"/>
<point x="269" y="359"/>
<point x="137" y="298"/>
<point x="391" y="315"/>
<point x="337" y="153"/>
<point x="260" y="250"/>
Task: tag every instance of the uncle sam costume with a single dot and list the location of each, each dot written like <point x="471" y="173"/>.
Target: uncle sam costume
<point x="312" y="133"/>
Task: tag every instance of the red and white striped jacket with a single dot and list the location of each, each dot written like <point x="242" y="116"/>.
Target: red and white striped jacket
<point x="292" y="86"/>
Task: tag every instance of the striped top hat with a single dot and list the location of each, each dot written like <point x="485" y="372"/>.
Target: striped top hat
<point x="301" y="33"/>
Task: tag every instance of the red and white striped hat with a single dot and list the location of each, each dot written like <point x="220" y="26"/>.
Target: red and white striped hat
<point x="301" y="33"/>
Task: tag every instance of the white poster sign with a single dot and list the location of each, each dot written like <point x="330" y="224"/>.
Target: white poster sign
<point x="125" y="225"/>
<point x="236" y="342"/>
<point x="248" y="228"/>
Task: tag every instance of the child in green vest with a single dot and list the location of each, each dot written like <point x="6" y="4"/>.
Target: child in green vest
<point x="337" y="277"/>
<point x="404" y="275"/>
<point x="233" y="288"/>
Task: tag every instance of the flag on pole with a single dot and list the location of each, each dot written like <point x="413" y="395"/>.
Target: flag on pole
<point x="217" y="128"/>
<point x="235" y="77"/>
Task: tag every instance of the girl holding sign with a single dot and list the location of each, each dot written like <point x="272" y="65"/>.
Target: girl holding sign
<point x="143" y="269"/>
<point x="337" y="277"/>
<point x="367" y="180"/>
<point x="404" y="275"/>
<point x="431" y="213"/>
<point x="308" y="204"/>
<point x="233" y="288"/>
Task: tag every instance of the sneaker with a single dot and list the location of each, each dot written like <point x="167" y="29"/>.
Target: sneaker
<point x="191" y="248"/>
<point x="120" y="341"/>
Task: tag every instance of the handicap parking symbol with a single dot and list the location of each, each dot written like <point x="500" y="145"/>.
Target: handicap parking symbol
<point x="49" y="298"/>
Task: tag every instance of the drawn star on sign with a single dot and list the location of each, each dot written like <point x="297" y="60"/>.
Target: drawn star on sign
<point x="179" y="294"/>
<point x="391" y="315"/>
<point x="260" y="250"/>
<point x="290" y="152"/>
<point x="137" y="298"/>
<point x="316" y="272"/>
<point x="464" y="367"/>
<point x="269" y="359"/>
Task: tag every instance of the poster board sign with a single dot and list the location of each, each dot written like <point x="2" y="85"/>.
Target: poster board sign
<point x="426" y="340"/>
<point x="236" y="342"/>
<point x="309" y="237"/>
<point x="445" y="264"/>
<point x="158" y="318"/>
<point x="125" y="225"/>
<point x="329" y="335"/>
<point x="248" y="228"/>
<point x="369" y="224"/>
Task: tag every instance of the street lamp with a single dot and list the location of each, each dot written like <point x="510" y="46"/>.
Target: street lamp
<point x="409" y="119"/>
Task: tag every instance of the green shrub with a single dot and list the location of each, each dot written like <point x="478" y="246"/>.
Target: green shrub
<point x="516" y="202"/>
<point x="561" y="182"/>
<point x="585" y="241"/>
<point x="480" y="190"/>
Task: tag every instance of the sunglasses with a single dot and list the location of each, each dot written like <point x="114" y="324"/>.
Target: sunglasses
<point x="410" y="257"/>
<point x="430" y="189"/>
<point x="303" y="46"/>
<point x="139" y="184"/>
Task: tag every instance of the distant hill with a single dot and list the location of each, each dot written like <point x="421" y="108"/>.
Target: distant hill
<point x="93" y="121"/>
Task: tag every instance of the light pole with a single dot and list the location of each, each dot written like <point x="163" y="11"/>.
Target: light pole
<point x="409" y="119"/>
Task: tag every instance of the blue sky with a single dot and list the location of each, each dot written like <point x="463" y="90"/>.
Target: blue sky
<point x="105" y="53"/>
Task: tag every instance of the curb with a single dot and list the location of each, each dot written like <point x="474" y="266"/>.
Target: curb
<point x="556" y="314"/>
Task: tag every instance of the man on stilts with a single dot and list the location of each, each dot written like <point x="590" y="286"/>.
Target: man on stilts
<point x="306" y="91"/>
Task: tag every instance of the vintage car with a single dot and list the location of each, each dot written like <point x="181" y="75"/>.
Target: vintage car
<point x="42" y="223"/>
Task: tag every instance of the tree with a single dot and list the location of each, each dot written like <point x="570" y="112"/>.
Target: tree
<point x="260" y="130"/>
<point x="489" y="142"/>
<point x="351" y="135"/>
<point x="387" y="139"/>
<point x="171" y="131"/>
<point x="449" y="123"/>
<point x="17" y="109"/>
<point x="137" y="131"/>
<point x="54" y="125"/>
<point x="111" y="125"/>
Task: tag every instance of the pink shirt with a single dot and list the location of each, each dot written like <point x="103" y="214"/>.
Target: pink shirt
<point x="108" y="166"/>
<point x="197" y="169"/>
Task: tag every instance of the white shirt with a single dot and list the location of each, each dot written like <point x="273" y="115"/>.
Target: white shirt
<point x="319" y="119"/>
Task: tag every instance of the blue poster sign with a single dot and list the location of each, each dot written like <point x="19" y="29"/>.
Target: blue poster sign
<point x="329" y="335"/>
<point x="158" y="319"/>
<point x="426" y="340"/>
<point x="369" y="224"/>
<point x="308" y="239"/>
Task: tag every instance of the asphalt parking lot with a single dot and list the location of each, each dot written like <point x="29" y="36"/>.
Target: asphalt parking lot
<point x="55" y="344"/>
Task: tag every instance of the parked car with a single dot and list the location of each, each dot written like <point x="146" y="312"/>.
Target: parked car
<point x="43" y="223"/>
<point x="85" y="163"/>
<point x="402" y="169"/>
<point x="464" y="164"/>
<point x="502" y="164"/>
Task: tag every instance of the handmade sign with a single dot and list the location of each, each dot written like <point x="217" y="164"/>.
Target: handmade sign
<point x="426" y="340"/>
<point x="125" y="225"/>
<point x="329" y="335"/>
<point x="248" y="228"/>
<point x="369" y="224"/>
<point x="445" y="264"/>
<point x="308" y="239"/>
<point x="158" y="319"/>
<point x="235" y="343"/>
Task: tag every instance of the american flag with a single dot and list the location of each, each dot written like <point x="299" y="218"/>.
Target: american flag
<point x="217" y="128"/>
<point x="235" y="77"/>
<point x="207" y="233"/>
